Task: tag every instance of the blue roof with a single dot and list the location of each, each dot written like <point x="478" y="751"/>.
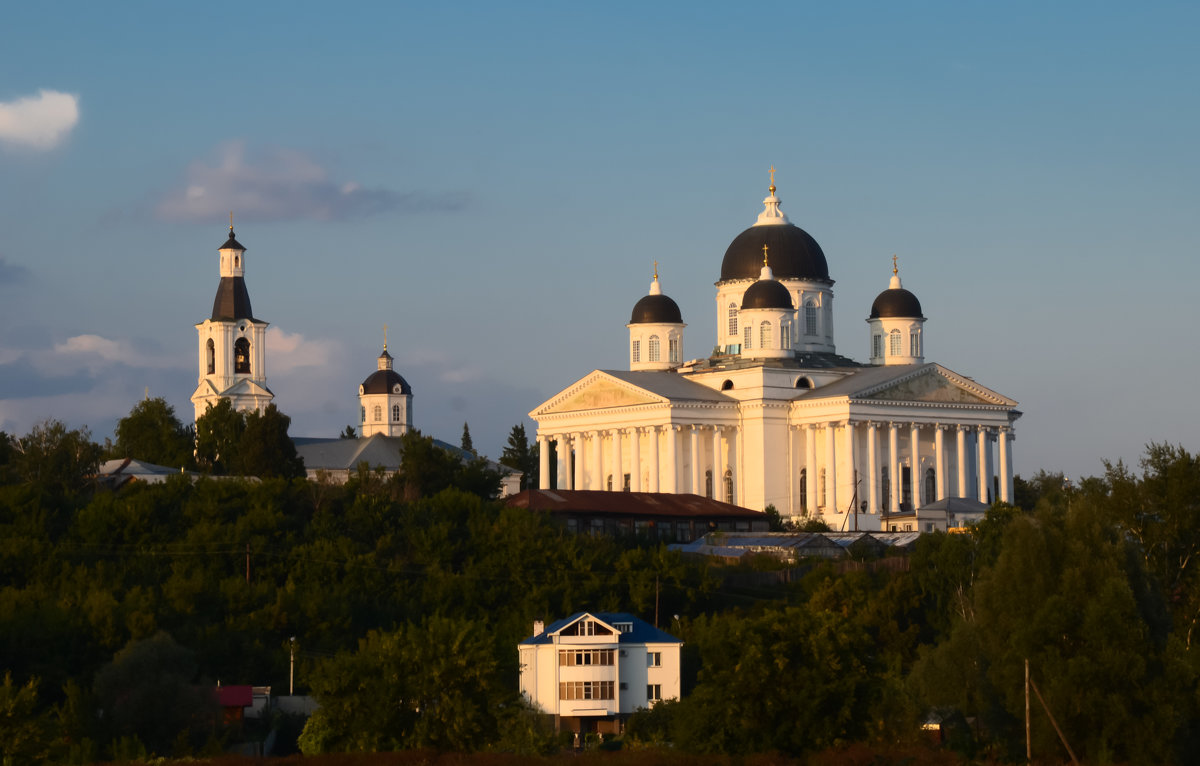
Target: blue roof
<point x="642" y="633"/>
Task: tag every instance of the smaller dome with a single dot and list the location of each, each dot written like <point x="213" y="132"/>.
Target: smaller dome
<point x="896" y="302"/>
<point x="231" y="243"/>
<point x="656" y="309"/>
<point x="385" y="382"/>
<point x="767" y="294"/>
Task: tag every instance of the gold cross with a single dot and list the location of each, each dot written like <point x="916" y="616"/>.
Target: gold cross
<point x="764" y="255"/>
<point x="385" y="337"/>
<point x="772" y="175"/>
<point x="230" y="221"/>
<point x="656" y="271"/>
<point x="895" y="269"/>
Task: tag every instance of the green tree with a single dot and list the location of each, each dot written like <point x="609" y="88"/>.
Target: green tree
<point x="350" y="433"/>
<point x="218" y="436"/>
<point x="519" y="455"/>
<point x="151" y="432"/>
<point x="54" y="458"/>
<point x="467" y="444"/>
<point x="265" y="449"/>
<point x="24" y="729"/>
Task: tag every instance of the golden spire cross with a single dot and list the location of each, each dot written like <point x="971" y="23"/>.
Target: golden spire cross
<point x="230" y="221"/>
<point x="656" y="271"/>
<point x="772" y="187"/>
<point x="385" y="337"/>
<point x="764" y="255"/>
<point x="895" y="268"/>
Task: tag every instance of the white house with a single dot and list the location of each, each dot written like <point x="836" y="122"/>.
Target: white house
<point x="592" y="670"/>
<point x="775" y="416"/>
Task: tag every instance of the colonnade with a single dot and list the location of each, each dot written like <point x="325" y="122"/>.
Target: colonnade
<point x="667" y="458"/>
<point x="872" y="474"/>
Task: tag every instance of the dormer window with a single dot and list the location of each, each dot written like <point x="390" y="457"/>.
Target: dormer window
<point x="587" y="628"/>
<point x="623" y="627"/>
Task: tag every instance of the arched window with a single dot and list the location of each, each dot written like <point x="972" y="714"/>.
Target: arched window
<point x="654" y="353"/>
<point x="211" y="351"/>
<point x="930" y="484"/>
<point x="746" y="332"/>
<point x="729" y="486"/>
<point x="885" y="488"/>
<point x="804" y="383"/>
<point x="637" y="351"/>
<point x="396" y="413"/>
<point x="733" y="320"/>
<point x="764" y="335"/>
<point x="362" y="416"/>
<point x="804" y="488"/>
<point x="708" y="484"/>
<point x="673" y="350"/>
<point x="876" y="346"/>
<point x="914" y="343"/>
<point x="821" y="487"/>
<point x="236" y="261"/>
<point x="241" y="356"/>
<point x="785" y="333"/>
<point x="894" y="343"/>
<point x="810" y="319"/>
<point x="378" y="413"/>
<point x="727" y="385"/>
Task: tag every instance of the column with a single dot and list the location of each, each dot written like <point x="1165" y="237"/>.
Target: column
<point x="893" y="468"/>
<point x="671" y="483"/>
<point x="983" y="466"/>
<point x="635" y="460"/>
<point x="852" y="467"/>
<point x="596" y="452"/>
<point x="915" y="449"/>
<point x="939" y="457"/>
<point x="873" y="468"/>
<point x="617" y="463"/>
<point x="962" y="461"/>
<point x="543" y="462"/>
<point x="810" y="468"/>
<point x="831" y="498"/>
<point x="718" y="473"/>
<point x="1008" y="476"/>
<point x="697" y="472"/>
<point x="652" y="443"/>
<point x="1005" y="468"/>
<point x="793" y="468"/>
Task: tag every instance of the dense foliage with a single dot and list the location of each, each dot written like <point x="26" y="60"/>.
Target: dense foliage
<point x="406" y="597"/>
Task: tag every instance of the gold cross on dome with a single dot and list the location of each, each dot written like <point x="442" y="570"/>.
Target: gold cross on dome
<point x="230" y="220"/>
<point x="895" y="268"/>
<point x="764" y="255"/>
<point x="772" y="187"/>
<point x="656" y="271"/>
<point x="385" y="337"/>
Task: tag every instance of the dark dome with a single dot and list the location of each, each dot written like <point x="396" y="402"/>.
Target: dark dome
<point x="231" y="243"/>
<point x="232" y="301"/>
<point x="896" y="302"/>
<point x="384" y="382"/>
<point x="792" y="252"/>
<point x="767" y="294"/>
<point x="656" y="309"/>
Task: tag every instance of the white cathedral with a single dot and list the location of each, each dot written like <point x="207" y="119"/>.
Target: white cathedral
<point x="775" y="416"/>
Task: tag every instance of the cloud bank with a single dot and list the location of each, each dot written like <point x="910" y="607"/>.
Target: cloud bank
<point x="280" y="184"/>
<point x="38" y="122"/>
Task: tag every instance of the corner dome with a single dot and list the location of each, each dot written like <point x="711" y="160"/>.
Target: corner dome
<point x="896" y="303"/>
<point x="767" y="294"/>
<point x="385" y="382"/>
<point x="794" y="254"/>
<point x="656" y="309"/>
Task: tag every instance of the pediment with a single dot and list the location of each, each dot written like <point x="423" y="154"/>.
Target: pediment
<point x="597" y="392"/>
<point x="936" y="385"/>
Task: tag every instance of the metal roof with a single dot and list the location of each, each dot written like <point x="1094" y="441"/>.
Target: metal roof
<point x="649" y="504"/>
<point x="642" y="632"/>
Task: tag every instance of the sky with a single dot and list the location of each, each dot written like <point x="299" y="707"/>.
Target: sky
<point x="494" y="181"/>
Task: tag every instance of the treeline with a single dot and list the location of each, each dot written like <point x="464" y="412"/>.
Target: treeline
<point x="406" y="600"/>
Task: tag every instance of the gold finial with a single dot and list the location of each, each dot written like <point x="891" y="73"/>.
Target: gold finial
<point x="230" y="221"/>
<point x="764" y="255"/>
<point x="895" y="268"/>
<point x="385" y="337"/>
<point x="772" y="186"/>
<point x="656" y="271"/>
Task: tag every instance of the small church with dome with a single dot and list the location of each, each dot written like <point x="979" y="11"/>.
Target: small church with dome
<point x="775" y="416"/>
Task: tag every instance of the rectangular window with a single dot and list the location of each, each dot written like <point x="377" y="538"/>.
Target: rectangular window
<point x="746" y="340"/>
<point x="637" y="351"/>
<point x="585" y="690"/>
<point x="914" y="344"/>
<point x="624" y="627"/>
<point x="810" y="320"/>
<point x="674" y="350"/>
<point x="877" y="346"/>
<point x="654" y="659"/>
<point x="580" y="657"/>
<point x="733" y="320"/>
<point x="653" y="692"/>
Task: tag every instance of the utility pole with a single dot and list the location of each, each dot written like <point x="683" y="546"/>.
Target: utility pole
<point x="1028" y="740"/>
<point x="247" y="563"/>
<point x="292" y="669"/>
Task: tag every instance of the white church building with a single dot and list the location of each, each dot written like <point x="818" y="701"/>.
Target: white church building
<point x="776" y="416"/>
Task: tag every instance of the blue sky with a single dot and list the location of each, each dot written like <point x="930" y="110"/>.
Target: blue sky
<point x="493" y="181"/>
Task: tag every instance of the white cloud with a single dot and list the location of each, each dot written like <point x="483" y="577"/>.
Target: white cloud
<point x="95" y="353"/>
<point x="287" y="352"/>
<point x="280" y="184"/>
<point x="38" y="122"/>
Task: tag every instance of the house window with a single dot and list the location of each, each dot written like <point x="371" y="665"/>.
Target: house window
<point x="637" y="351"/>
<point x="654" y="659"/>
<point x="729" y="487"/>
<point x="587" y="628"/>
<point x="654" y="354"/>
<point x="378" y="413"/>
<point x="914" y="343"/>
<point x="894" y="343"/>
<point x="733" y="320"/>
<point x="877" y="346"/>
<point x="810" y="319"/>
<point x="241" y="356"/>
<point x="746" y="340"/>
<point x="708" y="484"/>
<point x="585" y="690"/>
<point x="764" y="335"/>
<point x="804" y="488"/>
<point x="623" y="627"/>
<point x="579" y="657"/>
<point x="653" y="692"/>
<point x="211" y="351"/>
<point x="930" y="526"/>
<point x="673" y="344"/>
<point x="396" y="413"/>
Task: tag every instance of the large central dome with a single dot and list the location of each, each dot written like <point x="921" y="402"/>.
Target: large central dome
<point x="794" y="254"/>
